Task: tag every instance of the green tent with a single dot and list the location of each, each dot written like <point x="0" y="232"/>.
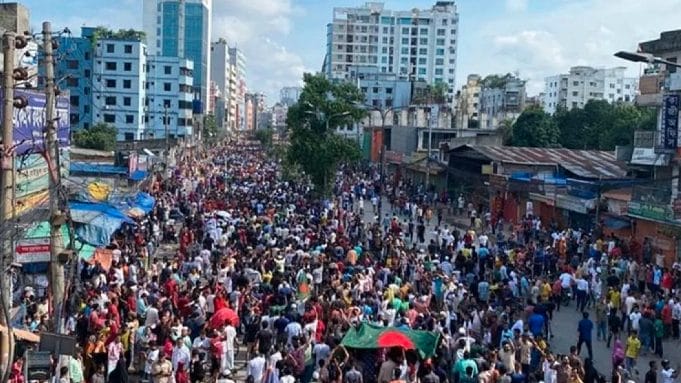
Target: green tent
<point x="42" y="230"/>
<point x="371" y="336"/>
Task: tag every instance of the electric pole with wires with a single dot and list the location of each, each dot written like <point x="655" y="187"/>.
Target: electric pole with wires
<point x="57" y="216"/>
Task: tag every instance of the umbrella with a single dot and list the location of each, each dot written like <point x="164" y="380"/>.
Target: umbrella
<point x="222" y="316"/>
<point x="136" y="212"/>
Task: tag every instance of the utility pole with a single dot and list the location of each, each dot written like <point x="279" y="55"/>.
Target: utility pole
<point x="57" y="218"/>
<point x="6" y="188"/>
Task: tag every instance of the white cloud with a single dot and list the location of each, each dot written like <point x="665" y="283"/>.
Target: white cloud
<point x="259" y="28"/>
<point x="516" y="5"/>
<point x="544" y="43"/>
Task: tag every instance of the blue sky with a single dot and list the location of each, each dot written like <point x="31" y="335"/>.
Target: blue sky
<point x="284" y="38"/>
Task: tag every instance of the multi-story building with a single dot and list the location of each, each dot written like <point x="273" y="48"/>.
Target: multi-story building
<point x="501" y="98"/>
<point x="182" y="28"/>
<point x="237" y="62"/>
<point x="467" y="105"/>
<point x="583" y="83"/>
<point x="381" y="90"/>
<point x="220" y="72"/>
<point x="255" y="105"/>
<point x="416" y="44"/>
<point x="289" y="95"/>
<point x="119" y="73"/>
<point x="169" y="99"/>
<point x="74" y="69"/>
<point x="279" y="113"/>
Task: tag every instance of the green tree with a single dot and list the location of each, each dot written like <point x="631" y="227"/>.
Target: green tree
<point x="100" y="136"/>
<point x="535" y="128"/>
<point x="506" y="130"/>
<point x="265" y="137"/>
<point x="210" y="129"/>
<point x="314" y="146"/>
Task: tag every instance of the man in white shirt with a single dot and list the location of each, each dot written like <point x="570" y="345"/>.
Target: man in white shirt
<point x="256" y="367"/>
<point x="181" y="354"/>
<point x="228" y="344"/>
<point x="668" y="374"/>
<point x="634" y="319"/>
<point x="293" y="329"/>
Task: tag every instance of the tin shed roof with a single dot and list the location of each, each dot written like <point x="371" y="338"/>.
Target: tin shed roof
<point x="581" y="163"/>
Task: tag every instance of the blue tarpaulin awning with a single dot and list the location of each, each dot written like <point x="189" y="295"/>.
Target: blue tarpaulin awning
<point x="96" y="222"/>
<point x="138" y="175"/>
<point x="82" y="167"/>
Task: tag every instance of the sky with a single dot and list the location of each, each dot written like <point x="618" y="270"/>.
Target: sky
<point x="282" y="39"/>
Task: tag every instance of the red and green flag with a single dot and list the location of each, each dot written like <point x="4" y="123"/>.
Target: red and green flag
<point x="371" y="336"/>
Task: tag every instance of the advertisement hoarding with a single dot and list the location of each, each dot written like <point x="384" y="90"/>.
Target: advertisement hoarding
<point x="670" y="121"/>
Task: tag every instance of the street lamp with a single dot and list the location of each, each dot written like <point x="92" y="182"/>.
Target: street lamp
<point x="645" y="57"/>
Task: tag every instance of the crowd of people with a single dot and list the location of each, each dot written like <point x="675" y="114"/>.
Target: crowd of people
<point x="265" y="268"/>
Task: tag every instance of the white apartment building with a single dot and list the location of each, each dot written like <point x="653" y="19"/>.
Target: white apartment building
<point x="237" y="61"/>
<point x="417" y="44"/>
<point x="583" y="83"/>
<point x="289" y="95"/>
<point x="467" y="107"/>
<point x="119" y="86"/>
<point x="220" y="72"/>
<point x="169" y="104"/>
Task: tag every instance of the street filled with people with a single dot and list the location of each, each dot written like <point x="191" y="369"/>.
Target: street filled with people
<point x="262" y="267"/>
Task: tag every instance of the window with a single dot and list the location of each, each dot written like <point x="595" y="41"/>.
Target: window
<point x="404" y="51"/>
<point x="127" y="48"/>
<point x="129" y="118"/>
<point x="75" y="100"/>
<point x="127" y="101"/>
<point x="575" y="93"/>
<point x="422" y="61"/>
<point x="87" y="55"/>
<point x="86" y="108"/>
<point x="384" y="60"/>
<point x="385" y="40"/>
<point x="110" y="83"/>
<point x="441" y="32"/>
<point x="167" y="69"/>
<point x="404" y="60"/>
<point x="453" y="31"/>
<point x="440" y="52"/>
<point x="167" y="86"/>
<point x="72" y="64"/>
<point x="127" y="67"/>
<point x="439" y="61"/>
<point x="438" y="71"/>
<point x="127" y="84"/>
<point x="110" y="65"/>
<point x="110" y="100"/>
<point x="452" y="42"/>
<point x="72" y="81"/>
<point x="86" y="90"/>
<point x="627" y="86"/>
<point x="110" y="48"/>
<point x="130" y="136"/>
<point x="444" y="21"/>
<point x="110" y="118"/>
<point x="87" y="73"/>
<point x="405" y="31"/>
<point x="422" y="71"/>
<point x="612" y="86"/>
<point x="423" y="51"/>
<point x="575" y="83"/>
<point x="375" y="89"/>
<point x="389" y="90"/>
<point x="423" y="41"/>
<point x="440" y="42"/>
<point x="405" y="41"/>
<point x="424" y="31"/>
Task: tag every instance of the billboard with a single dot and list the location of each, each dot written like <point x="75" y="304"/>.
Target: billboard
<point x="29" y="122"/>
<point x="670" y="121"/>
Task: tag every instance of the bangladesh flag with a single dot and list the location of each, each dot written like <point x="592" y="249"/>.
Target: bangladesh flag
<point x="371" y="336"/>
<point x="303" y="285"/>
